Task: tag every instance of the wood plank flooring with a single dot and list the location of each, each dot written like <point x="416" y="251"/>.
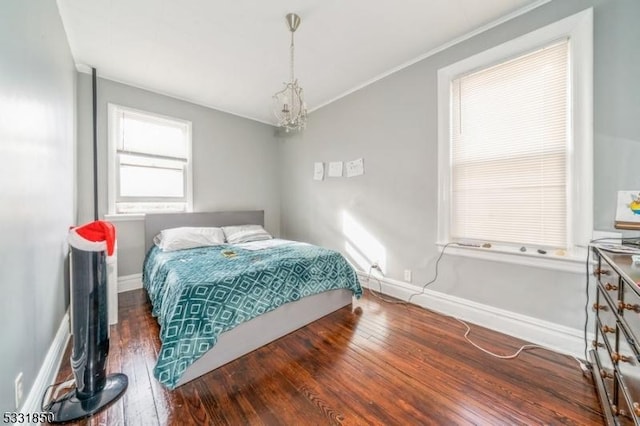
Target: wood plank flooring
<point x="374" y="363"/>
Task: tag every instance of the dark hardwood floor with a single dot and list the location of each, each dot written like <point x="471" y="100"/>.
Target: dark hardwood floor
<point x="373" y="364"/>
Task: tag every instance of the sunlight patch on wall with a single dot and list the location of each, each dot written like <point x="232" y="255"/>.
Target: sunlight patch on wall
<point x="361" y="246"/>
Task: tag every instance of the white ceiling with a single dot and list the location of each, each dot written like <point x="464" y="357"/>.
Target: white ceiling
<point x="233" y="55"/>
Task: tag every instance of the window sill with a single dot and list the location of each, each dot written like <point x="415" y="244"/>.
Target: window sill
<point x="124" y="217"/>
<point x="573" y="261"/>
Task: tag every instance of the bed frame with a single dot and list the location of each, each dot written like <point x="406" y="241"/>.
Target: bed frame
<point x="259" y="331"/>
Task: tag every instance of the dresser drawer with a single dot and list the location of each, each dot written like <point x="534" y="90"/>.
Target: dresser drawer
<point x="626" y="359"/>
<point x="628" y="367"/>
<point x="629" y="308"/>
<point x="627" y="410"/>
<point x="607" y="318"/>
<point x="606" y="274"/>
<point x="604" y="365"/>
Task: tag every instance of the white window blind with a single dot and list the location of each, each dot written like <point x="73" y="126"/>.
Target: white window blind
<point x="509" y="149"/>
<point x="145" y="134"/>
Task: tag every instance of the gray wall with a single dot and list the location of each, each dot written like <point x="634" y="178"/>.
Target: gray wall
<point x="37" y="128"/>
<point x="393" y="125"/>
<point x="616" y="106"/>
<point x="235" y="161"/>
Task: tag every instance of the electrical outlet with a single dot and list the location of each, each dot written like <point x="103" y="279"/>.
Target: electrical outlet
<point x="407" y="275"/>
<point x="18" y="390"/>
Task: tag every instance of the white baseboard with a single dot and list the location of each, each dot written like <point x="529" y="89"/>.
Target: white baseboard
<point x="559" y="338"/>
<point x="129" y="282"/>
<point x="49" y="370"/>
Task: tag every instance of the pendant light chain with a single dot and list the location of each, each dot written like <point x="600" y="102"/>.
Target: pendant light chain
<point x="291" y="48"/>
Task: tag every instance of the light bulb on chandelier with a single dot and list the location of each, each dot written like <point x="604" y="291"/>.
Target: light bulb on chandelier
<point x="289" y="106"/>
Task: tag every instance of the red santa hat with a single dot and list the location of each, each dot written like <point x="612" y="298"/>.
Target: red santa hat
<point x="93" y="236"/>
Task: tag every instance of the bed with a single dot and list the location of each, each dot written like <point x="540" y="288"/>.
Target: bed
<point x="189" y="291"/>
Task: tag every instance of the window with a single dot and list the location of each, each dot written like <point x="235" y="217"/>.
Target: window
<point x="515" y="142"/>
<point x="149" y="162"/>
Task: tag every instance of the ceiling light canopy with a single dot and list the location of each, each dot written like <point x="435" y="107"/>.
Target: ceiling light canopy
<point x="289" y="106"/>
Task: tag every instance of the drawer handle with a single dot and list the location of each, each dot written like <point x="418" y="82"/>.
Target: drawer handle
<point x="605" y="375"/>
<point x="616" y="357"/>
<point x="600" y="271"/>
<point x="636" y="409"/>
<point x="628" y="306"/>
<point x="607" y="329"/>
<point x="617" y="412"/>
<point x="609" y="287"/>
<point x="597" y="307"/>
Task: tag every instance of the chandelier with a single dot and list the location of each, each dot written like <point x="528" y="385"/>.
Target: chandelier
<point x="289" y="106"/>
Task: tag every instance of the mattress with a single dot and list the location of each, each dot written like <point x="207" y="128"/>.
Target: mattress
<point x="197" y="294"/>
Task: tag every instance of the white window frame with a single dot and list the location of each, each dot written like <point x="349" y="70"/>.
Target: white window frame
<point x="114" y="114"/>
<point x="578" y="29"/>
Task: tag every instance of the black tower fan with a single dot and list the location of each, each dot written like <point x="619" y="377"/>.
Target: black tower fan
<point x="94" y="389"/>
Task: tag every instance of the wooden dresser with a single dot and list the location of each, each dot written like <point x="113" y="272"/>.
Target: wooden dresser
<point x="615" y="354"/>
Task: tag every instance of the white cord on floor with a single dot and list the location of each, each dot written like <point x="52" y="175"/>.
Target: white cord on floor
<point x="466" y="334"/>
<point x="512" y="356"/>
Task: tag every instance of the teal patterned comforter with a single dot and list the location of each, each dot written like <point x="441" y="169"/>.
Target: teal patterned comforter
<point x="197" y="294"/>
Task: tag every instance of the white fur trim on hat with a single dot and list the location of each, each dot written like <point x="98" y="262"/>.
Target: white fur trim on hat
<point x="79" y="242"/>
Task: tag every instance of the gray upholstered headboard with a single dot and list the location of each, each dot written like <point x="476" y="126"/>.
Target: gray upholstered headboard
<point x="156" y="222"/>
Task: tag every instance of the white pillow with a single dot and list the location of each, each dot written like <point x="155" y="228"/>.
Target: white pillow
<point x="245" y="233"/>
<point x="188" y="237"/>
